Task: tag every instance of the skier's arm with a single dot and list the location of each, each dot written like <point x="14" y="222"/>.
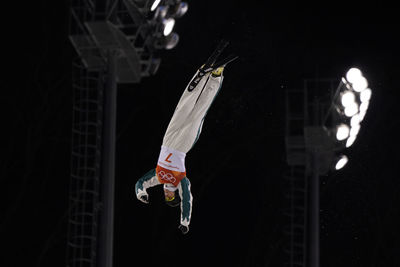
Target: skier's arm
<point x="186" y="204"/>
<point x="148" y="180"/>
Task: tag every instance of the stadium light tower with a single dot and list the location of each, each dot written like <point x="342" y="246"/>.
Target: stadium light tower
<point x="342" y="123"/>
<point x="326" y="124"/>
<point x="115" y="43"/>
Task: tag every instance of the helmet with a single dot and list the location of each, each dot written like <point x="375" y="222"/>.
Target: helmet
<point x="173" y="201"/>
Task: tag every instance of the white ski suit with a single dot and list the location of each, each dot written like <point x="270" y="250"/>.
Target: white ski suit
<point x="182" y="133"/>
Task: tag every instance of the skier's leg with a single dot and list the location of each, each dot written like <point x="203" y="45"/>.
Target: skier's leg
<point x="206" y="98"/>
<point x="182" y="111"/>
<point x="189" y="131"/>
<point x="204" y="103"/>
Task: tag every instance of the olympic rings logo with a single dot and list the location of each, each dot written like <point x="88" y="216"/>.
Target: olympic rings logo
<point x="166" y="177"/>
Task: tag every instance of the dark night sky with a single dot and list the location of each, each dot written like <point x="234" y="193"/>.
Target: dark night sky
<point x="237" y="165"/>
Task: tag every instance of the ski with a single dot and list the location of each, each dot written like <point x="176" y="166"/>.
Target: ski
<point x="210" y="64"/>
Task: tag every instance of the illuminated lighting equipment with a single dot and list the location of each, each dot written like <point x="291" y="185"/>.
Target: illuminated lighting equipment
<point x="351" y="109"/>
<point x="330" y="124"/>
<point x="341" y="162"/>
<point x="168" y="26"/>
<point x="353" y="74"/>
<point x="348" y="109"/>
<point x="155" y="5"/>
<point x="358" y="81"/>
<point x="350" y="140"/>
<point x="363" y="109"/>
<point x="342" y="132"/>
<point x="171" y="40"/>
<point x="348" y="98"/>
<point x="179" y="10"/>
<point x="163" y="22"/>
<point x="360" y="84"/>
<point x="355" y="120"/>
<point x="362" y="115"/>
<point x="161" y="13"/>
<point x="365" y="95"/>
<point x="355" y="129"/>
<point x="364" y="106"/>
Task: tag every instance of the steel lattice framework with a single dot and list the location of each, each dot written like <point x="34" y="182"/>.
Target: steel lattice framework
<point x="84" y="200"/>
<point x="114" y="45"/>
<point x="308" y="154"/>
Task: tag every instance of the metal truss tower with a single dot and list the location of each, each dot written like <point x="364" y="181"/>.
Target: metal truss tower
<point x="85" y="182"/>
<point x="306" y="148"/>
<point x="295" y="177"/>
<point x="115" y="43"/>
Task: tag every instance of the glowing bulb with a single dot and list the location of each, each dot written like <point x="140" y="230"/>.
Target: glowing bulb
<point x="353" y="74"/>
<point x="364" y="106"/>
<point x="182" y="9"/>
<point x="355" y="120"/>
<point x="348" y="98"/>
<point x="155" y="5"/>
<point x="171" y="40"/>
<point x="351" y="140"/>
<point x="342" y="132"/>
<point x="360" y="84"/>
<point x="168" y="26"/>
<point x="341" y="162"/>
<point x="351" y="110"/>
<point x="354" y="130"/>
<point x="365" y="95"/>
<point x="362" y="115"/>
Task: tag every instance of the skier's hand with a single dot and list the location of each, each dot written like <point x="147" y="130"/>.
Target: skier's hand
<point x="184" y="229"/>
<point x="143" y="197"/>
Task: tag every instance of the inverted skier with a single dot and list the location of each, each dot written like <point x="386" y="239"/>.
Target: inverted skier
<point x="182" y="133"/>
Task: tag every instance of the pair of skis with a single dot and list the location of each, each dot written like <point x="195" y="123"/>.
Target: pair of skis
<point x="211" y="64"/>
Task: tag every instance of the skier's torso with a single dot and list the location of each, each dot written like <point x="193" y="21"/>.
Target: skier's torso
<point x="171" y="166"/>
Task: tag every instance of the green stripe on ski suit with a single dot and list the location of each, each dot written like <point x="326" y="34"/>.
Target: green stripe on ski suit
<point x="150" y="174"/>
<point x="202" y="120"/>
<point x="186" y="205"/>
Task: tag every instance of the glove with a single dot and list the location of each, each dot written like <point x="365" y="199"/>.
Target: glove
<point x="143" y="197"/>
<point x="184" y="229"/>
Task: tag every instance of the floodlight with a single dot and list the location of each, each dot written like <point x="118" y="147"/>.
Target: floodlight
<point x="354" y="130"/>
<point x="353" y="74"/>
<point x="363" y="109"/>
<point x="342" y="132"/>
<point x="365" y="95"/>
<point x="360" y="84"/>
<point x="351" y="110"/>
<point x="168" y="26"/>
<point x="161" y="13"/>
<point x="348" y="98"/>
<point x="341" y="162"/>
<point x="155" y="5"/>
<point x="351" y="140"/>
<point x="362" y="114"/>
<point x="364" y="106"/>
<point x="355" y="120"/>
<point x="180" y="10"/>
<point x="171" y="40"/>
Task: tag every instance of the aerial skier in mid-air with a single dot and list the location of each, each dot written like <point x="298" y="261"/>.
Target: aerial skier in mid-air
<point x="182" y="133"/>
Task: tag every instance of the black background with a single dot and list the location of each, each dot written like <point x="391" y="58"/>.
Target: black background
<point x="237" y="165"/>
